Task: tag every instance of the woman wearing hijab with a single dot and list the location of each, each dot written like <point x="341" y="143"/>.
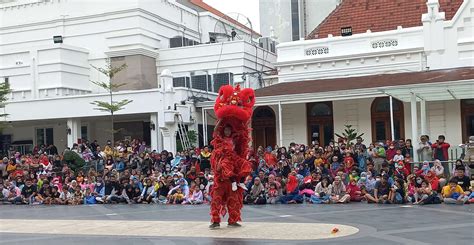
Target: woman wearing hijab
<point x="338" y="193"/>
<point x="459" y="163"/>
<point x="257" y="193"/>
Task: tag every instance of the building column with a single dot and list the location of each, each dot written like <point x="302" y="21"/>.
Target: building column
<point x="169" y="139"/>
<point x="204" y="127"/>
<point x="154" y="131"/>
<point x="392" y="126"/>
<point x="423" y="120"/>
<point x="280" y="124"/>
<point x="414" y="124"/>
<point x="73" y="130"/>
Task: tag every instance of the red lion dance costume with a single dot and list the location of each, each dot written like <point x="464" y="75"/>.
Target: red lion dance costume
<point x="229" y="162"/>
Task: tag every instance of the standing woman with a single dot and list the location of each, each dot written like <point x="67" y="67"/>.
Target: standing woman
<point x="408" y="147"/>
<point x="425" y="153"/>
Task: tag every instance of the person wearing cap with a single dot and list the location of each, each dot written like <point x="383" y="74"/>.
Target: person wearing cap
<point x="425" y="152"/>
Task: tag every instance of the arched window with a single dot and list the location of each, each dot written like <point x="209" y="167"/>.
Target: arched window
<point x="263" y="127"/>
<point x="320" y="109"/>
<point x="380" y="115"/>
<point x="320" y="122"/>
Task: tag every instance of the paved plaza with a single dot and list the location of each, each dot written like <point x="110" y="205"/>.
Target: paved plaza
<point x="270" y="224"/>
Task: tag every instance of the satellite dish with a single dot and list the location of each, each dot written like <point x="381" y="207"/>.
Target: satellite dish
<point x="226" y="28"/>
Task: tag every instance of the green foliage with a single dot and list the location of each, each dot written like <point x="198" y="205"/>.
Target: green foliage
<point x="192" y="136"/>
<point x="110" y="106"/>
<point x="350" y="134"/>
<point x="4" y="91"/>
<point x="74" y="161"/>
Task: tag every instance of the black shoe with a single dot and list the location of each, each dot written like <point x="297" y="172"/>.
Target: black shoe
<point x="234" y="225"/>
<point x="214" y="225"/>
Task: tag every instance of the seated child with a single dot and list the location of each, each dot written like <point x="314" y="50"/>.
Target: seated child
<point x="453" y="193"/>
<point x="177" y="197"/>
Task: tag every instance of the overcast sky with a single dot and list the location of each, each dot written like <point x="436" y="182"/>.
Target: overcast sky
<point x="248" y="8"/>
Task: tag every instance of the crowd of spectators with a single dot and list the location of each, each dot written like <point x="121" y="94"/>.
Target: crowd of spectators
<point x="341" y="172"/>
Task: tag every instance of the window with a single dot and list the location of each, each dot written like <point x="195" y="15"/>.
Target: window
<point x="179" y="41"/>
<point x="295" y="20"/>
<point x="181" y="82"/>
<point x="320" y="122"/>
<point x="264" y="127"/>
<point x="221" y="79"/>
<point x="383" y="105"/>
<point x="44" y="136"/>
<point x="84" y="133"/>
<point x="380" y="116"/>
<point x="467" y="115"/>
<point x="201" y="82"/>
<point x="321" y="109"/>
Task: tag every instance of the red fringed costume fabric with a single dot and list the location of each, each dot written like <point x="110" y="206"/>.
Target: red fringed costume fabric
<point x="233" y="109"/>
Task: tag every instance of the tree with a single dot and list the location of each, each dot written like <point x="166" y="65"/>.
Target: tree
<point x="4" y="91"/>
<point x="110" y="106"/>
<point x="73" y="161"/>
<point x="349" y="134"/>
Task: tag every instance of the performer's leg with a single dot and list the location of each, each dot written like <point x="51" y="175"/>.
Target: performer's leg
<point x="234" y="206"/>
<point x="217" y="203"/>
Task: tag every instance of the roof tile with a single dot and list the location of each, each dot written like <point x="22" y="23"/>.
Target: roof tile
<point x="378" y="15"/>
<point x="372" y="81"/>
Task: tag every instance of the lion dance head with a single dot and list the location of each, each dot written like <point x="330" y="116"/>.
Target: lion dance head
<point x="235" y="103"/>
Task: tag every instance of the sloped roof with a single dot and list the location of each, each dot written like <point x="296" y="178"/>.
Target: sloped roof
<point x="378" y="15"/>
<point x="372" y="81"/>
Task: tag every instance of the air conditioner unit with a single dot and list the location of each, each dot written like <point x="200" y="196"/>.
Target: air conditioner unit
<point x="267" y="43"/>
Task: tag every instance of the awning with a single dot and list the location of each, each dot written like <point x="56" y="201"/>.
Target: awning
<point x="434" y="92"/>
<point x="445" y="84"/>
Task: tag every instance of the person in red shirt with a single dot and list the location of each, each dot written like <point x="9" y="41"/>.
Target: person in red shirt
<point x="354" y="191"/>
<point x="269" y="158"/>
<point x="391" y="152"/>
<point x="433" y="180"/>
<point x="440" y="149"/>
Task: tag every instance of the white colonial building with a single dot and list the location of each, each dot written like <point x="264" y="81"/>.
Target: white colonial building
<point x="392" y="69"/>
<point x="177" y="52"/>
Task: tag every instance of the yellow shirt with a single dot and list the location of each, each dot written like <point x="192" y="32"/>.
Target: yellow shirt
<point x="318" y="162"/>
<point x="446" y="192"/>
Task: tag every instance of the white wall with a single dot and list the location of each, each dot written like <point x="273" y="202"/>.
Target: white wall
<point x="451" y="43"/>
<point x="294" y="124"/>
<point x="356" y="55"/>
<point x="236" y="57"/>
<point x="27" y="131"/>
<point x="355" y="113"/>
<point x="443" y="118"/>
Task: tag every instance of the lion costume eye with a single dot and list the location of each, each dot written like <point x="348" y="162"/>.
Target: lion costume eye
<point x="250" y="100"/>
